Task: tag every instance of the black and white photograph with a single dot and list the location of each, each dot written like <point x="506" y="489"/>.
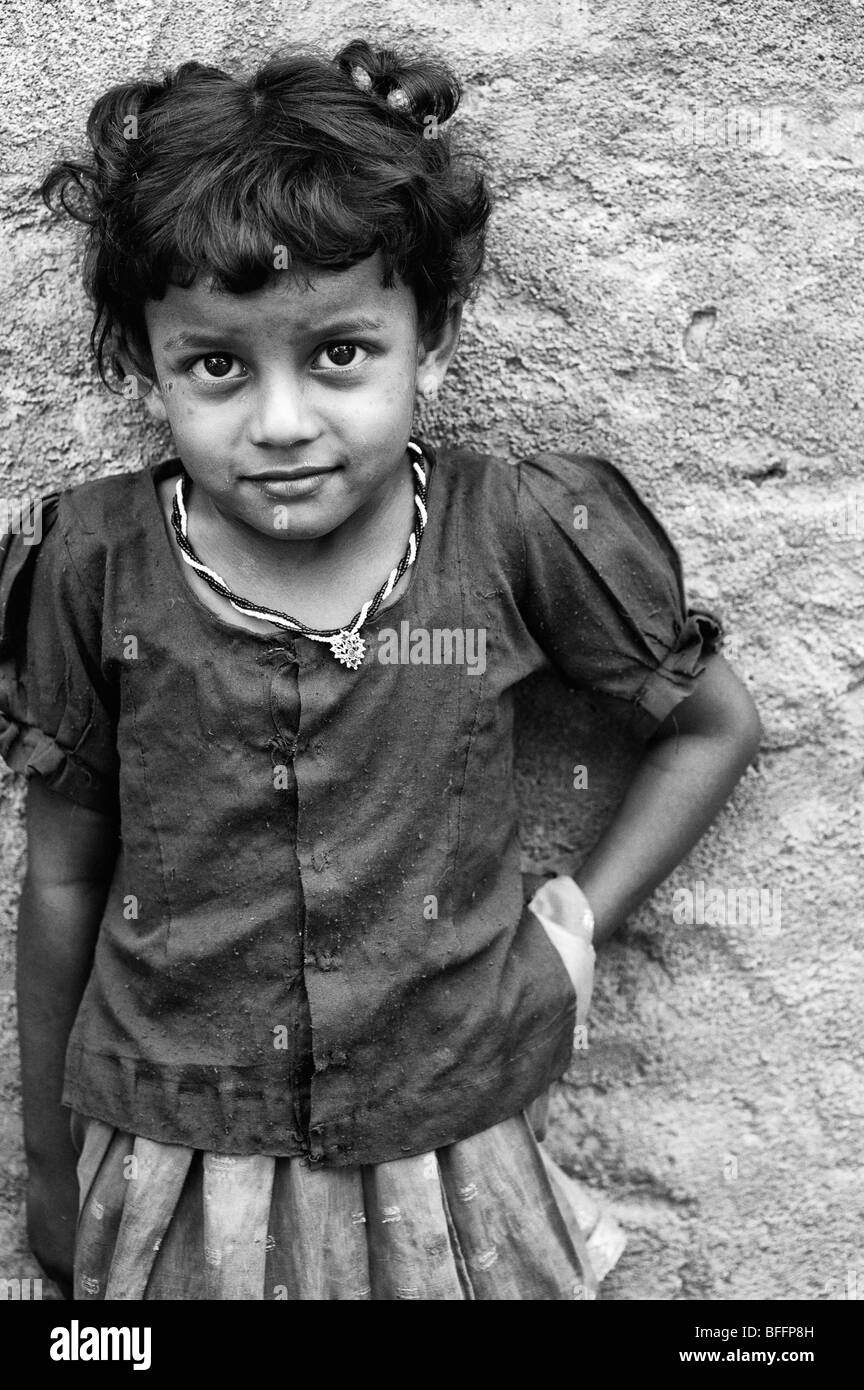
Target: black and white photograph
<point x="432" y="667"/>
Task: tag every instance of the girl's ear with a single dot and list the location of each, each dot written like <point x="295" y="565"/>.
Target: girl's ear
<point x="140" y="386"/>
<point x="436" y="351"/>
<point x="155" y="402"/>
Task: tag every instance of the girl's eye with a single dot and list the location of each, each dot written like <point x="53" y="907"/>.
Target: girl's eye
<point x="342" y="354"/>
<point x="222" y="366"/>
<point x="217" y="367"/>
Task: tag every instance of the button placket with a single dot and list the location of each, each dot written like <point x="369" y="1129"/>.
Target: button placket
<point x="320" y="683"/>
<point x="285" y="713"/>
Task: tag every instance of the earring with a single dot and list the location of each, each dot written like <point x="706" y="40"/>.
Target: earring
<point x="429" y="391"/>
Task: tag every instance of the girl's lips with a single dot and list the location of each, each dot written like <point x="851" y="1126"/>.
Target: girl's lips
<point x="298" y="485"/>
<point x="288" y="474"/>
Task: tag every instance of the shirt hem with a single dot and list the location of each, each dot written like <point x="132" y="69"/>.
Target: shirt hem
<point x="238" y="1118"/>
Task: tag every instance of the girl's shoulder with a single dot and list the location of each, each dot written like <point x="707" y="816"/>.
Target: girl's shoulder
<point x="96" y="516"/>
<point x="68" y="539"/>
<point x="58" y="707"/>
<point x="547" y="493"/>
<point x="545" y="474"/>
<point x="104" y="513"/>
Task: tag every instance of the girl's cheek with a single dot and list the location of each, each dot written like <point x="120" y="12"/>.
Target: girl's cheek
<point x="392" y="395"/>
<point x="193" y="412"/>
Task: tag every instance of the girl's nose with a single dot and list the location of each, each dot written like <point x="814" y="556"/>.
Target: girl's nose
<point x="281" y="413"/>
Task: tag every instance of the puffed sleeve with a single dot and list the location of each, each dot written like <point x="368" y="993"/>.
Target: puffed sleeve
<point x="604" y="593"/>
<point x="56" y="707"/>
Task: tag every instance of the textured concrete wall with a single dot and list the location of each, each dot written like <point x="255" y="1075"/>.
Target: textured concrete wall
<point x="675" y="279"/>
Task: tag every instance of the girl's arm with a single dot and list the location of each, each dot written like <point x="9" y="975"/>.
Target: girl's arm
<point x="71" y="854"/>
<point x="688" y="771"/>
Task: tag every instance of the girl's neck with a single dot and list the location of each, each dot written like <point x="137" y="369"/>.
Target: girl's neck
<point x="322" y="582"/>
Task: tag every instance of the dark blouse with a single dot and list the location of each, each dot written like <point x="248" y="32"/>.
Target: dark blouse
<point x="315" y="939"/>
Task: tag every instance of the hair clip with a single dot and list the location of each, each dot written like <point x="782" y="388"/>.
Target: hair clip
<point x="397" y="97"/>
<point x="361" y="78"/>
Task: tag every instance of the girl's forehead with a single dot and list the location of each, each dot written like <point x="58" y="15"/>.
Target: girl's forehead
<point x="290" y="302"/>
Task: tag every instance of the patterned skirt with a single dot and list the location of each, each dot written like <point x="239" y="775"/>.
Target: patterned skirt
<point x="490" y="1217"/>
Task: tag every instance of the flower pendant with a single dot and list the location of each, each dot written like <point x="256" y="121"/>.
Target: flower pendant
<point x="349" y="648"/>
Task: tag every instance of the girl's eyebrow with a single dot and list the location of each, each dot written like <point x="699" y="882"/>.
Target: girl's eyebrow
<point x="357" y="324"/>
<point x="182" y="340"/>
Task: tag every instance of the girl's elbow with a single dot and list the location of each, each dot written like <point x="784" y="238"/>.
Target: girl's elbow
<point x="730" y="704"/>
<point x="721" y="710"/>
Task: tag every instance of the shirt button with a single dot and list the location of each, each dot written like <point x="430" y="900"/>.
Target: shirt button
<point x="282" y="747"/>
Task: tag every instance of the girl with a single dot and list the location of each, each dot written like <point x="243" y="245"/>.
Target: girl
<point x="273" y="948"/>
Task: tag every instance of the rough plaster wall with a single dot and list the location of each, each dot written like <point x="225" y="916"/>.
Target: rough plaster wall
<point x="691" y="306"/>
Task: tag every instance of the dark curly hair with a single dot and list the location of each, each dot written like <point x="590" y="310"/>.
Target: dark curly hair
<point x="207" y="173"/>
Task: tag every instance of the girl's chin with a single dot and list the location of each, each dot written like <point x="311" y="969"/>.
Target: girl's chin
<point x="291" y="519"/>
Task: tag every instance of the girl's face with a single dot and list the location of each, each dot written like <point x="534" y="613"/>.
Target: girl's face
<point x="288" y="379"/>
